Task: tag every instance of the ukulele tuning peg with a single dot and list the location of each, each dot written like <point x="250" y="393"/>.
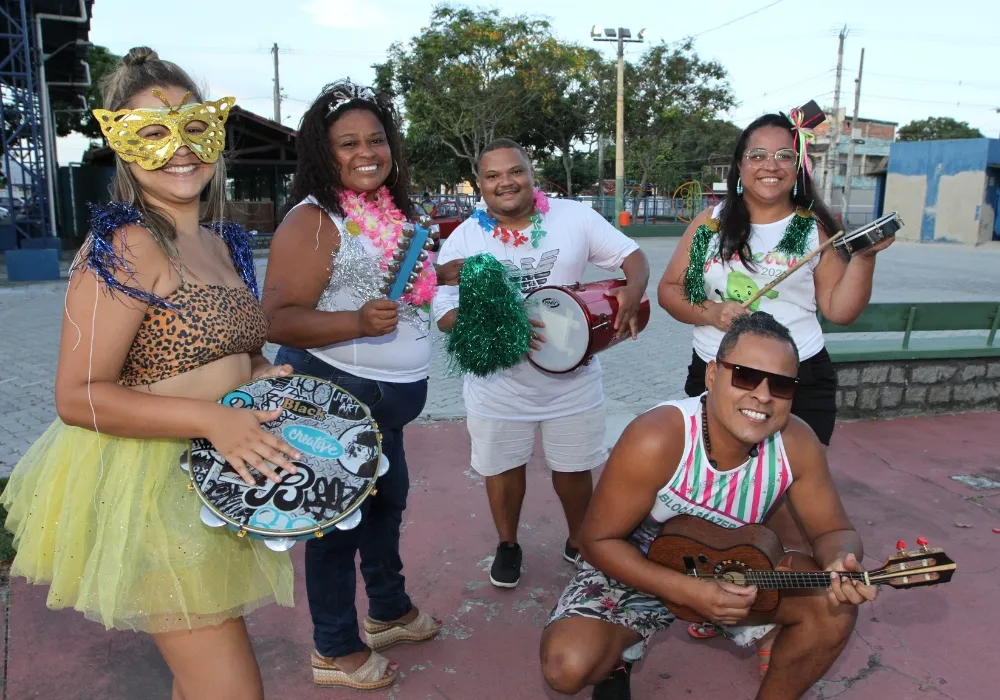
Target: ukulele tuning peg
<point x="922" y="542"/>
<point x="901" y="546"/>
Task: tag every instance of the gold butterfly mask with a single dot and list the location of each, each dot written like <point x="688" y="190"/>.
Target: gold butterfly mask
<point x="122" y="128"/>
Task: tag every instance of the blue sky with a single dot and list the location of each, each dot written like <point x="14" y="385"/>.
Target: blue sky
<point x="922" y="58"/>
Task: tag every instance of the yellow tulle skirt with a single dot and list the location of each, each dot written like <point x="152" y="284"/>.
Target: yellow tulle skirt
<point x="110" y="525"/>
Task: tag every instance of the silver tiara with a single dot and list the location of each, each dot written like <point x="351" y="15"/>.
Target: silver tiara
<point x="345" y="91"/>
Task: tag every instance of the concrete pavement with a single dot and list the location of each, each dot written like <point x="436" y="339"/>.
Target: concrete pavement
<point x="897" y="481"/>
<point x="637" y="375"/>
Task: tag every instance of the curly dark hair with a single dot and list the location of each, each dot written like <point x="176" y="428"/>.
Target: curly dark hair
<point x="734" y="220"/>
<point x="760" y="324"/>
<point x="316" y="173"/>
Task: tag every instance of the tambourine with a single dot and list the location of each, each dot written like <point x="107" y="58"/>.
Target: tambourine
<point x="341" y="460"/>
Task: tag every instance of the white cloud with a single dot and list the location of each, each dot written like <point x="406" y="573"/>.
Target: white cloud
<point x="345" y="14"/>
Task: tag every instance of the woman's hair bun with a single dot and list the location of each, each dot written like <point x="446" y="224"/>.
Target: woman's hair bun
<point x="139" y="55"/>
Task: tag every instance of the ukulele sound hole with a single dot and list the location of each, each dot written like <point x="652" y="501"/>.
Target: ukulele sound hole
<point x="732" y="571"/>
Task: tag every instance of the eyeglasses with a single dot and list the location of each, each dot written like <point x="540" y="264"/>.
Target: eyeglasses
<point x="784" y="157"/>
<point x="748" y="379"/>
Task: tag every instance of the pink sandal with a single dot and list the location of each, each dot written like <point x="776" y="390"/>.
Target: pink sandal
<point x="704" y="630"/>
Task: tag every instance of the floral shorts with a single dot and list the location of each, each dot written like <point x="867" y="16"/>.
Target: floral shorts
<point x="593" y="594"/>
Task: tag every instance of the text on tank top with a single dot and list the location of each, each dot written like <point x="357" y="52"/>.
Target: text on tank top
<point x="728" y="498"/>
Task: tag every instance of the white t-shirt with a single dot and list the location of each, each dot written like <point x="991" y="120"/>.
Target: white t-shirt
<point x="575" y="235"/>
<point x="402" y="356"/>
<point x="792" y="303"/>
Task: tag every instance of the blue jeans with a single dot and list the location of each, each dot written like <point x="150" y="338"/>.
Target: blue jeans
<point x="330" y="575"/>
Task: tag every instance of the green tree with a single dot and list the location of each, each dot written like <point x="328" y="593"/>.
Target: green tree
<point x="459" y="80"/>
<point x="936" y="129"/>
<point x="671" y="95"/>
<point x="431" y="162"/>
<point x="552" y="172"/>
<point x="566" y="102"/>
<point x="75" y="116"/>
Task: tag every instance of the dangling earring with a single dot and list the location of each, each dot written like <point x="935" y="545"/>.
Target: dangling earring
<point x="795" y="190"/>
<point x="739" y="185"/>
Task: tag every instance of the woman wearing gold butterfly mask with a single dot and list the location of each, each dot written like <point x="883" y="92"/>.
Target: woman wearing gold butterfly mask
<point x="161" y="319"/>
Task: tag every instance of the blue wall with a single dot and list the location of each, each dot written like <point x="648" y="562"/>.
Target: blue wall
<point x="933" y="159"/>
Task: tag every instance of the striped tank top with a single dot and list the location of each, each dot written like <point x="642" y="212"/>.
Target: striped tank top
<point x="728" y="498"/>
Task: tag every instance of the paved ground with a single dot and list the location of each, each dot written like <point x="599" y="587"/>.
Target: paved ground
<point x="637" y="374"/>
<point x="920" y="644"/>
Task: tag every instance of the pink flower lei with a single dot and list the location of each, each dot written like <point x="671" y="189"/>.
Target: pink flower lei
<point x="381" y="221"/>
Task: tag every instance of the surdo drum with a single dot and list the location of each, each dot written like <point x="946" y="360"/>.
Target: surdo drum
<point x="871" y="234"/>
<point x="579" y="323"/>
<point x="341" y="458"/>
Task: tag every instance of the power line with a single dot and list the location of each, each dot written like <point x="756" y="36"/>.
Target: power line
<point x="955" y="103"/>
<point x="733" y="21"/>
<point x="938" y="81"/>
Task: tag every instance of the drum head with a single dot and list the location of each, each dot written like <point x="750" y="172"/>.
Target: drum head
<point x="567" y="329"/>
<point x="341" y="458"/>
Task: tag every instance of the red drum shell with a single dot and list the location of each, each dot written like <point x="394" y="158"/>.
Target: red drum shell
<point x="599" y="312"/>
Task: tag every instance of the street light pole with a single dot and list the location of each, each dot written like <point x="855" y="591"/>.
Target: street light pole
<point x="621" y="36"/>
<point x="620" y="132"/>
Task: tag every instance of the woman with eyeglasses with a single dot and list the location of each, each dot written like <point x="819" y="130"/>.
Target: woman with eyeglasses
<point x="770" y="218"/>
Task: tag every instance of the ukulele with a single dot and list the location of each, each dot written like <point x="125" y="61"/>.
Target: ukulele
<point x="750" y="555"/>
<point x="409" y="257"/>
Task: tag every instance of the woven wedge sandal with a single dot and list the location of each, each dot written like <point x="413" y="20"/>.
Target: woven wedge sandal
<point x="371" y="675"/>
<point x="382" y="635"/>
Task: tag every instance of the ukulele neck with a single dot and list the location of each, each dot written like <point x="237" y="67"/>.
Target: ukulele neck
<point x="788" y="580"/>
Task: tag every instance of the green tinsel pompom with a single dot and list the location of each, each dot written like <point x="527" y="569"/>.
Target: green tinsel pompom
<point x="492" y="331"/>
<point x="793" y="243"/>
<point x="694" y="276"/>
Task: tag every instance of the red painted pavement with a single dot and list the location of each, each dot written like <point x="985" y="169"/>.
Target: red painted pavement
<point x="895" y="480"/>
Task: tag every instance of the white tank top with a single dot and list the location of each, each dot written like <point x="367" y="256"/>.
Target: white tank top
<point x="792" y="303"/>
<point x="403" y="356"/>
<point x="731" y="498"/>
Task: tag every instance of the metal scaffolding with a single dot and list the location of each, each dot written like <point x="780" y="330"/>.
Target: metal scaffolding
<point x="24" y="152"/>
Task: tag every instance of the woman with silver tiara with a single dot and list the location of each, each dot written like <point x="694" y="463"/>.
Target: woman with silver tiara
<point x="161" y="319"/>
<point x="324" y="298"/>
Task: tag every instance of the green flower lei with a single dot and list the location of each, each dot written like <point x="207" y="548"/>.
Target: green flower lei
<point x="793" y="243"/>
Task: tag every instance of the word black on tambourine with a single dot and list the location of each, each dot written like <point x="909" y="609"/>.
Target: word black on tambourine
<point x="409" y="257"/>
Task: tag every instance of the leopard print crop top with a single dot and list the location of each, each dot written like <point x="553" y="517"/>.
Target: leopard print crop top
<point x="208" y="322"/>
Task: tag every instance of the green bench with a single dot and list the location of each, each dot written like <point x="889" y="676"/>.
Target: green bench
<point x="907" y="318"/>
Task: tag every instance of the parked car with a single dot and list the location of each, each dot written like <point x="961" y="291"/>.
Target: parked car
<point x="448" y="215"/>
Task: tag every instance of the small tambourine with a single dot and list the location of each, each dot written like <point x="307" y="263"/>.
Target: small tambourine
<point x="341" y="459"/>
<point x="409" y="257"/>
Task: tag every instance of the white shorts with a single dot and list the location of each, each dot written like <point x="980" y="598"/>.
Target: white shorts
<point x="572" y="444"/>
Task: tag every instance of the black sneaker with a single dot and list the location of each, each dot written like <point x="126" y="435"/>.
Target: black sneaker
<point x="506" y="569"/>
<point x="570" y="553"/>
<point x="615" y="686"/>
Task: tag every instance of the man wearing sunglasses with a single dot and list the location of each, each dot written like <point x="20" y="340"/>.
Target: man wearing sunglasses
<point x="727" y="456"/>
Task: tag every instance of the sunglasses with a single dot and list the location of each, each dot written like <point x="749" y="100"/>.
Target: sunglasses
<point x="748" y="379"/>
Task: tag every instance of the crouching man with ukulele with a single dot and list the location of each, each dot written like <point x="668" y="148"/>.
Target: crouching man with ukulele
<point x="722" y="460"/>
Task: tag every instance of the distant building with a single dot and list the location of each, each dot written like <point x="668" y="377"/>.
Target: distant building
<point x="946" y="191"/>
<point x="873" y="140"/>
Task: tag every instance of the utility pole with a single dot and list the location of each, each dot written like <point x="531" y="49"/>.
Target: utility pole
<point x="833" y="152"/>
<point x="850" y="152"/>
<point x="622" y="35"/>
<point x="600" y="170"/>
<point x="277" y="86"/>
<point x="620" y="133"/>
